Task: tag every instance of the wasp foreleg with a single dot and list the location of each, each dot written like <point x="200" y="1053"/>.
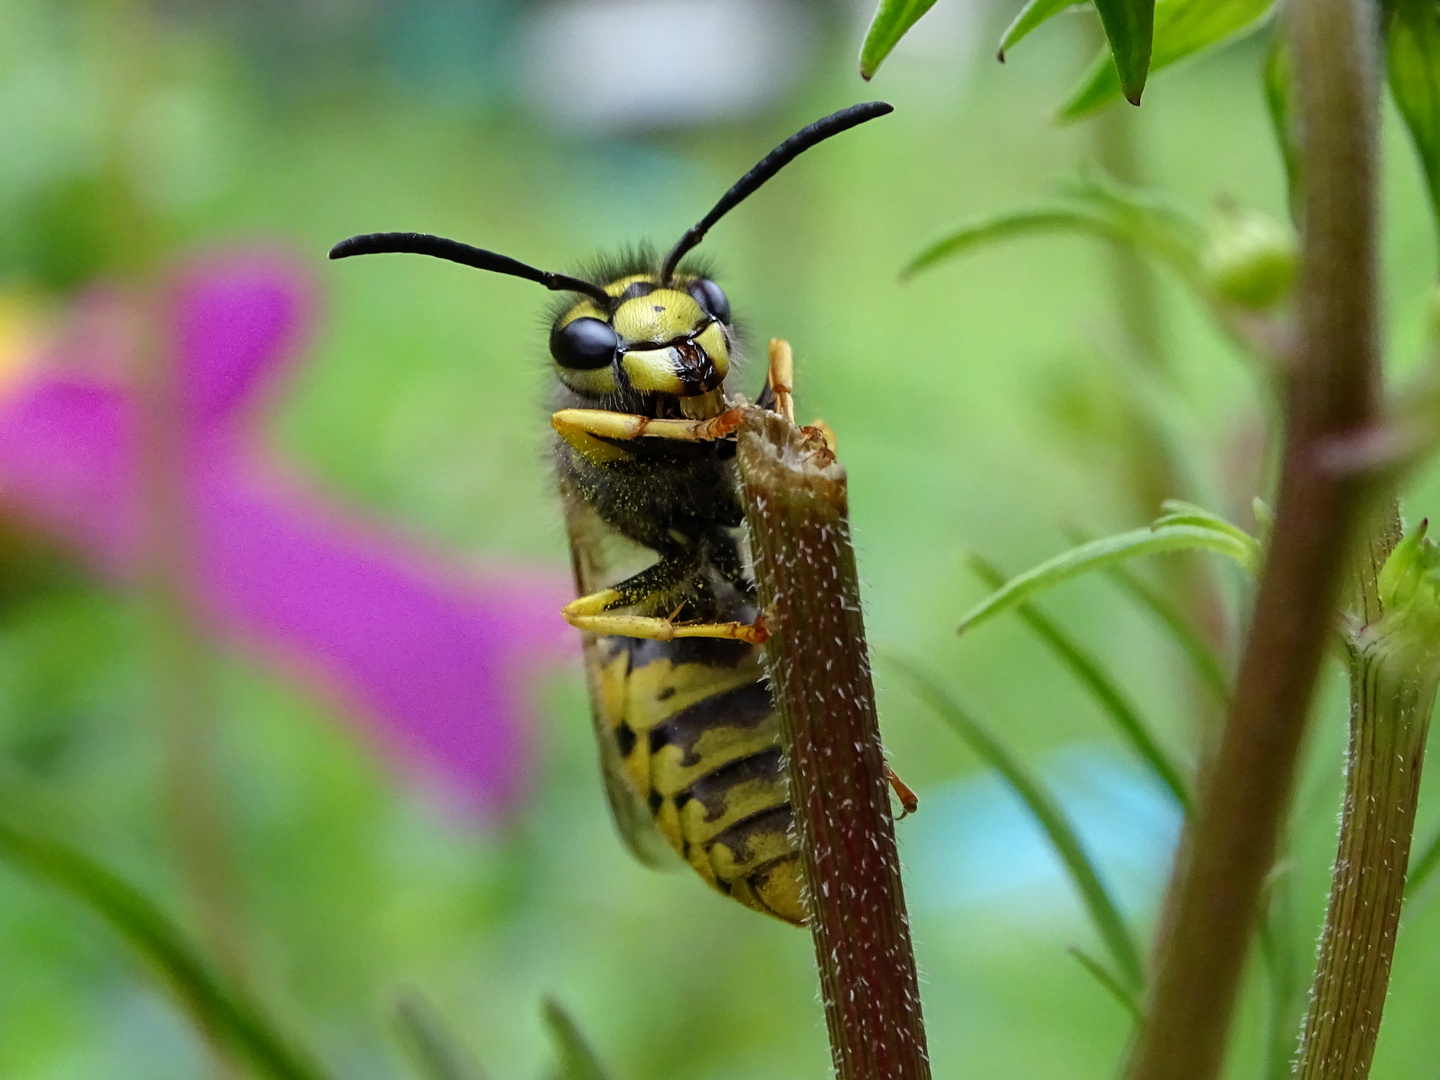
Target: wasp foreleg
<point x="592" y="612"/>
<point x="579" y="426"/>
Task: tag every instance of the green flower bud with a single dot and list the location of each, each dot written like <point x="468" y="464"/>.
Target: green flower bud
<point x="1250" y="259"/>
<point x="1409" y="590"/>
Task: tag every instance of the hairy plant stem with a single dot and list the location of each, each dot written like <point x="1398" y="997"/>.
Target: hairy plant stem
<point x="797" y="513"/>
<point x="1230" y="844"/>
<point x="1393" y="679"/>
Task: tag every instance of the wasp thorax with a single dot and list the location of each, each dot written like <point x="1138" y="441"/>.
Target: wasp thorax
<point x="657" y="339"/>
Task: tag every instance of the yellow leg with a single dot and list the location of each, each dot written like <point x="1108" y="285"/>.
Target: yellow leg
<point x="782" y="384"/>
<point x="782" y="377"/>
<point x="589" y="613"/>
<point x="576" y="424"/>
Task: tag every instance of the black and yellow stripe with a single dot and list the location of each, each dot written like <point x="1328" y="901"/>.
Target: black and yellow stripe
<point x="694" y="724"/>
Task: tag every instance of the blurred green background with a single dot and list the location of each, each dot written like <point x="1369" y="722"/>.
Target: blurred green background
<point x="978" y="408"/>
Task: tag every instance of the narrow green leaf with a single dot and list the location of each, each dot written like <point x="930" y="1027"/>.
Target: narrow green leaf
<point x="1207" y="665"/>
<point x="577" y="1060"/>
<point x="1106" y="978"/>
<point x="1178" y="512"/>
<point x="433" y="1050"/>
<point x="1047" y="217"/>
<point x="1046" y="811"/>
<point x="893" y="19"/>
<point x="1413" y="58"/>
<point x="1422" y="868"/>
<point x="1087" y="669"/>
<point x="1031" y="16"/>
<point x="1104" y="552"/>
<point x="1182" y="29"/>
<point x="1280" y="103"/>
<point x="1092" y="204"/>
<point x="221" y="1010"/>
<point x="1129" y="28"/>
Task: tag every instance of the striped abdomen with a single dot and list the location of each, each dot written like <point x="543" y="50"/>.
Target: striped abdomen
<point x="700" y="740"/>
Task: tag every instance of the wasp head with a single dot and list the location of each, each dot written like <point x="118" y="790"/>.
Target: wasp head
<point x="671" y="340"/>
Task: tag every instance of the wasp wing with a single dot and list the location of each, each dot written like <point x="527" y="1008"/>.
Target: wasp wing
<point x="594" y="561"/>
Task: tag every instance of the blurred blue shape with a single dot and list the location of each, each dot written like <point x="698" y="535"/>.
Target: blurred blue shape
<point x="975" y="847"/>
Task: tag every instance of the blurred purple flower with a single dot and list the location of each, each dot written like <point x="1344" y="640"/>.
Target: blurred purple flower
<point x="435" y="660"/>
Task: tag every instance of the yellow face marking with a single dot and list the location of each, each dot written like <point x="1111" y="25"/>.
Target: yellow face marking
<point x="662" y="315"/>
<point x="654" y="370"/>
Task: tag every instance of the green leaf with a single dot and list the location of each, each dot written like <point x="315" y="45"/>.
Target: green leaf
<point x="1048" y="217"/>
<point x="1031" y="16"/>
<point x="577" y="1059"/>
<point x="433" y="1050"/>
<point x="1087" y="669"/>
<point x="1179" y="512"/>
<point x="1106" y="978"/>
<point x="1092" y="204"/>
<point x="1279" y="82"/>
<point x="1129" y="28"/>
<point x="1105" y="552"/>
<point x="893" y="18"/>
<point x="221" y="1010"/>
<point x="1046" y="811"/>
<point x="1413" y="58"/>
<point x="1182" y="29"/>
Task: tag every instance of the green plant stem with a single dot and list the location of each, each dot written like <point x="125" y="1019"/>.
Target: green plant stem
<point x="1136" y="293"/>
<point x="1390" y="716"/>
<point x="1283" y="978"/>
<point x="179" y="654"/>
<point x="1231" y="843"/>
<point x="1393" y="682"/>
<point x="796" y="510"/>
<point x="227" y="1016"/>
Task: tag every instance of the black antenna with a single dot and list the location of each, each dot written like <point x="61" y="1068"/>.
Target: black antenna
<point x="768" y="166"/>
<point x="411" y="243"/>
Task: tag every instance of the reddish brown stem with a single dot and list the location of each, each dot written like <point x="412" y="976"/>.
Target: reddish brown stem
<point x="796" y="510"/>
<point x="1332" y="390"/>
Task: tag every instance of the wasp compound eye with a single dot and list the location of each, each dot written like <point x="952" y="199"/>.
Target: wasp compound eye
<point x="711" y="298"/>
<point x="584" y="343"/>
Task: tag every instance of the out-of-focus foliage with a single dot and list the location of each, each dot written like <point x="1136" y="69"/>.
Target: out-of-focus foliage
<point x="893" y="19"/>
<point x="1412" y="52"/>
<point x="1182" y="29"/>
<point x="984" y="405"/>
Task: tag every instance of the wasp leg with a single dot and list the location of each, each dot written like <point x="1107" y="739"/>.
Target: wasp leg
<point x="781" y="380"/>
<point x="581" y="427"/>
<point x="909" y="801"/>
<point x="591" y="612"/>
<point x="826" y="433"/>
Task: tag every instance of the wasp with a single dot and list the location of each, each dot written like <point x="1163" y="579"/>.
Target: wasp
<point x="644" y="453"/>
